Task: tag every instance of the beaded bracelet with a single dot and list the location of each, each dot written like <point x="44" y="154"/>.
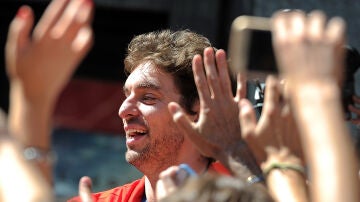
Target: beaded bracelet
<point x="284" y="166"/>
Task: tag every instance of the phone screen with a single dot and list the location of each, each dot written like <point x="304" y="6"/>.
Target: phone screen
<point x="261" y="54"/>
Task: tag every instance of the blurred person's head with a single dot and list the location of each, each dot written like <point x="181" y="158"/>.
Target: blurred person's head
<point x="214" y="188"/>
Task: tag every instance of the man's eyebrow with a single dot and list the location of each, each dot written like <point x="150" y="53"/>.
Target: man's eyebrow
<point x="144" y="85"/>
<point x="149" y="85"/>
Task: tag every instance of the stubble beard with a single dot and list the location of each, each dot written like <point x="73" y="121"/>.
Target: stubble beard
<point x="157" y="155"/>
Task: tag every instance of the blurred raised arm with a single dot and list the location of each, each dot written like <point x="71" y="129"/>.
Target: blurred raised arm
<point x="310" y="56"/>
<point x="39" y="65"/>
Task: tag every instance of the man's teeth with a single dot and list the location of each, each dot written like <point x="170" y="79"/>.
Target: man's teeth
<point x="136" y="131"/>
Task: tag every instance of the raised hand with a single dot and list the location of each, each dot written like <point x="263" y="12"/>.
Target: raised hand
<point x="43" y="61"/>
<point x="276" y="127"/>
<point x="317" y="47"/>
<point x="40" y="63"/>
<point x="216" y="130"/>
<point x="217" y="127"/>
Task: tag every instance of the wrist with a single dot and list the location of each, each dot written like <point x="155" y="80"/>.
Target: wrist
<point x="30" y="94"/>
<point x="29" y="120"/>
<point x="241" y="161"/>
<point x="311" y="91"/>
<point x="283" y="167"/>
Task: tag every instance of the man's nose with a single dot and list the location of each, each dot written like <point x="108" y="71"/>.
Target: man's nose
<point x="128" y="109"/>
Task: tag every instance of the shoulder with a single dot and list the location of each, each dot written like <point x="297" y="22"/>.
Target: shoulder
<point x="126" y="192"/>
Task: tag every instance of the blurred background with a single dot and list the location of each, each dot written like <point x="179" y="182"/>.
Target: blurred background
<point x="87" y="134"/>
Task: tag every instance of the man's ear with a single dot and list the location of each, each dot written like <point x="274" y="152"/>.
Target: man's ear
<point x="196" y="110"/>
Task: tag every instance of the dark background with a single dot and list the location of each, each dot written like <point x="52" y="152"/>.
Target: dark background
<point x="117" y="21"/>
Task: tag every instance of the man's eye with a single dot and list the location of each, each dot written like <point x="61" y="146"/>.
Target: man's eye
<point x="148" y="99"/>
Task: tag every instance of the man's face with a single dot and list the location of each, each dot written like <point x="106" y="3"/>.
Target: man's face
<point x="152" y="138"/>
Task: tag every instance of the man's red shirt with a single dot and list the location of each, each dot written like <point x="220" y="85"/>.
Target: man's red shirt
<point x="134" y="191"/>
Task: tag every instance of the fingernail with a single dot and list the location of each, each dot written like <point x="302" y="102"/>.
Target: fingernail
<point x="22" y="12"/>
<point x="243" y="104"/>
<point x="176" y="112"/>
<point x="89" y="3"/>
<point x="173" y="109"/>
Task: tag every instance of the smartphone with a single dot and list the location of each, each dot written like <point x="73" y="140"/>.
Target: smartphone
<point x="250" y="48"/>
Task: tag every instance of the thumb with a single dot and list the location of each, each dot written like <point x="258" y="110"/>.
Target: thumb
<point x="180" y="117"/>
<point x="85" y="188"/>
<point x="241" y="86"/>
<point x="18" y="36"/>
<point x="20" y="28"/>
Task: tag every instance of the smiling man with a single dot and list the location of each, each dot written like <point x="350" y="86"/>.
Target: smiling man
<point x="159" y="68"/>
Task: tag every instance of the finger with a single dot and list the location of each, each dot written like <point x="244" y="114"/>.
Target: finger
<point x="279" y="27"/>
<point x="49" y="18"/>
<point x="335" y="30"/>
<point x="83" y="42"/>
<point x="165" y="185"/>
<point x="280" y="40"/>
<point x="181" y="118"/>
<point x="18" y="35"/>
<point x="315" y="26"/>
<point x="335" y="36"/>
<point x="76" y="15"/>
<point x="297" y="28"/>
<point x="224" y="76"/>
<point x="284" y="152"/>
<point x="247" y="118"/>
<point x="27" y="16"/>
<point x="241" y="87"/>
<point x="20" y="27"/>
<point x="188" y="127"/>
<point x="85" y="188"/>
<point x="169" y="172"/>
<point x="211" y="71"/>
<point x="272" y="97"/>
<point x="270" y="150"/>
<point x="200" y="80"/>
